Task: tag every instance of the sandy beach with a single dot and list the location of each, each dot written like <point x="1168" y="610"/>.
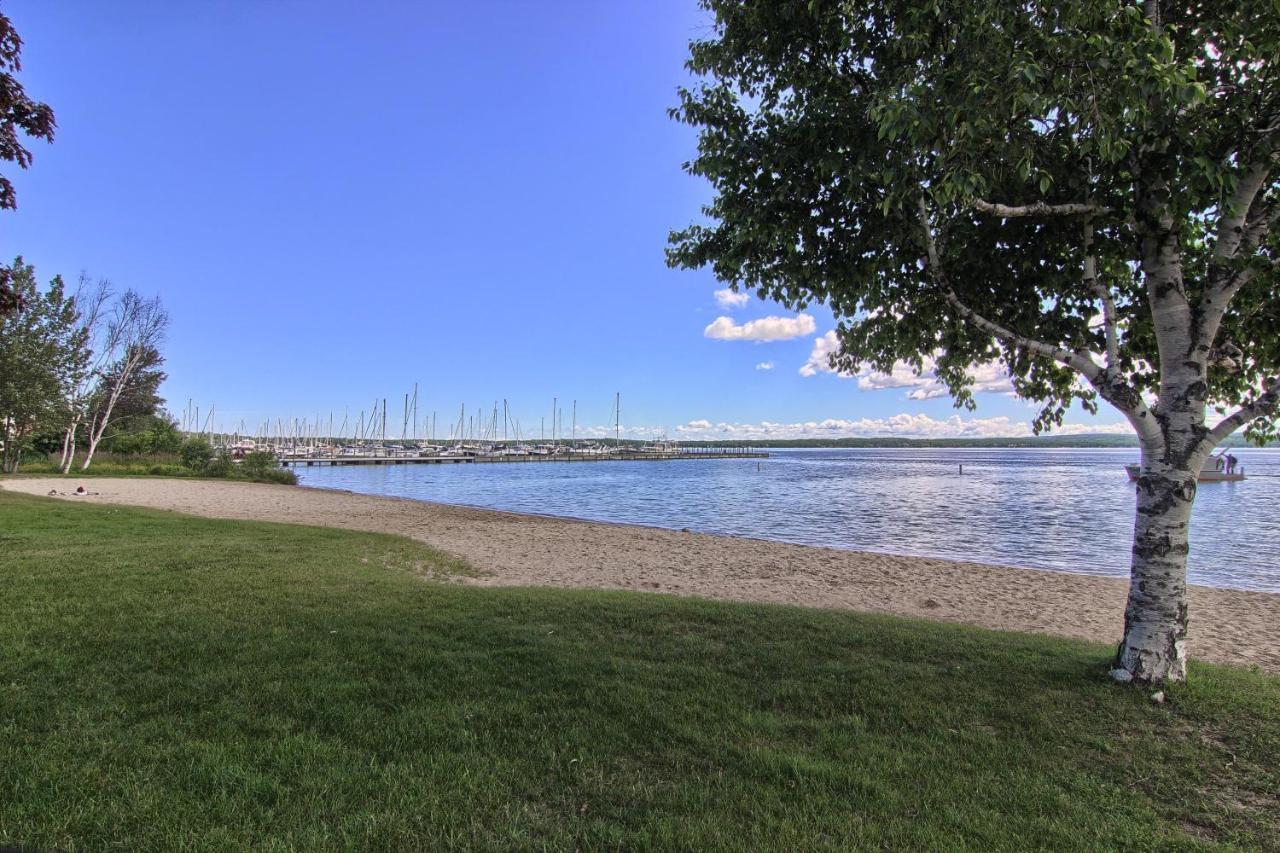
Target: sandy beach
<point x="509" y="549"/>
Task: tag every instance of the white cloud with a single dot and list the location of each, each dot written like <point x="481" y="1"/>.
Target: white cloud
<point x="607" y="431"/>
<point x="990" y="377"/>
<point x="729" y="300"/>
<point x="764" y="329"/>
<point x="899" y="426"/>
<point x="819" y="358"/>
<point x="765" y="365"/>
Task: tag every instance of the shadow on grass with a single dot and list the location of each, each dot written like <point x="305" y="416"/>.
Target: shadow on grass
<point x="168" y="681"/>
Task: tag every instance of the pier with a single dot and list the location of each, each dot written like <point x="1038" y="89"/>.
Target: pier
<point x="454" y="459"/>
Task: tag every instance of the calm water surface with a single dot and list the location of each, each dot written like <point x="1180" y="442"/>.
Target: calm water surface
<point x="1069" y="510"/>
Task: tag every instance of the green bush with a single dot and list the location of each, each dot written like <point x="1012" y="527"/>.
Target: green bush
<point x="283" y="476"/>
<point x="258" y="462"/>
<point x="196" y="454"/>
<point x="219" y="466"/>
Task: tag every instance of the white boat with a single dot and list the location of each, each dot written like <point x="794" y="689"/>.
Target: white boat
<point x="1213" y="471"/>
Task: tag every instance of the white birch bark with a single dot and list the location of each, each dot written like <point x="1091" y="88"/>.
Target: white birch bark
<point x="1172" y="433"/>
<point x="102" y="418"/>
<point x="138" y="326"/>
<point x="69" y="445"/>
<point x="1154" y="648"/>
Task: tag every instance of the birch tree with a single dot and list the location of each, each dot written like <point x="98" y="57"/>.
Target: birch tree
<point x="1085" y="192"/>
<point x="134" y="330"/>
<point x="87" y="360"/>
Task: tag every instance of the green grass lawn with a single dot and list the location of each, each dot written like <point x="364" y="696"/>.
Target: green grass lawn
<point x="170" y="682"/>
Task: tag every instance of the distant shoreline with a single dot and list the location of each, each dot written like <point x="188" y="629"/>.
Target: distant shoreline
<point x="1078" y="442"/>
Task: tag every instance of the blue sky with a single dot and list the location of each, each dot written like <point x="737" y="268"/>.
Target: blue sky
<point x="336" y="200"/>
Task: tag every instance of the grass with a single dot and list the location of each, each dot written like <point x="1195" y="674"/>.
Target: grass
<point x="177" y="683"/>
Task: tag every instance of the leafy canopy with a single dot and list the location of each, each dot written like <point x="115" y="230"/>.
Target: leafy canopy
<point x="826" y="127"/>
<point x="18" y="112"/>
<point x="41" y="348"/>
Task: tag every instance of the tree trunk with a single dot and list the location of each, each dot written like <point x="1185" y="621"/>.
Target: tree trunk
<point x="94" y="438"/>
<point x="1155" y="620"/>
<point x="13" y="439"/>
<point x="5" y="456"/>
<point x="69" y="446"/>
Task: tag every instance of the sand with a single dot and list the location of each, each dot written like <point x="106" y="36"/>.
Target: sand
<point x="511" y="549"/>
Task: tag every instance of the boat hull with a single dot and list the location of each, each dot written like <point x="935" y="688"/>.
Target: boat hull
<point x="1205" y="476"/>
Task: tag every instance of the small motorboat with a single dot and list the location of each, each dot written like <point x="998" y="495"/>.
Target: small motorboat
<point x="1213" y="471"/>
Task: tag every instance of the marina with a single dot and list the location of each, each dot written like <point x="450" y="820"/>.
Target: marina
<point x="562" y="455"/>
<point x="491" y="437"/>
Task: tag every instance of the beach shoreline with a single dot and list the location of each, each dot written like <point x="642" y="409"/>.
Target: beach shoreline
<point x="519" y="549"/>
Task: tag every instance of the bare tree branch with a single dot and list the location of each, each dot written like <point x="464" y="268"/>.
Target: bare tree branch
<point x="1039" y="208"/>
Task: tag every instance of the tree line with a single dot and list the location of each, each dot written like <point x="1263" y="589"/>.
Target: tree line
<point x="74" y="363"/>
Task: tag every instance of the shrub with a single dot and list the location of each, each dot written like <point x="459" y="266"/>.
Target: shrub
<point x="283" y="476"/>
<point x="196" y="454"/>
<point x="220" y="466"/>
<point x="258" y="462"/>
<point x="130" y="443"/>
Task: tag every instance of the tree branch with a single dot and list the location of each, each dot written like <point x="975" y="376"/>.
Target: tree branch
<point x="1235" y="216"/>
<point x="1228" y="278"/>
<point x="1106" y="381"/>
<point x="1266" y="405"/>
<point x="1039" y="208"/>
<point x="1104" y="296"/>
<point x="1079" y="361"/>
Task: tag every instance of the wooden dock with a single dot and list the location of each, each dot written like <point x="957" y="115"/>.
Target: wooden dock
<point x="699" y="453"/>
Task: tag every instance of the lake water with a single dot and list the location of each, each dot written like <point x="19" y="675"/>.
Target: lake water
<point x="1058" y="509"/>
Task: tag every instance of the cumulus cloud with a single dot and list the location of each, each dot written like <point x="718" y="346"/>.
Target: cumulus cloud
<point x="764" y="329"/>
<point x="898" y="426"/>
<point x="729" y="300"/>
<point x="765" y="365"/>
<point x="633" y="432"/>
<point x="990" y="377"/>
<point x="819" y="357"/>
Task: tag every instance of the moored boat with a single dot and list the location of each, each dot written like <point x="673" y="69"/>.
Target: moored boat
<point x="1213" y="471"/>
